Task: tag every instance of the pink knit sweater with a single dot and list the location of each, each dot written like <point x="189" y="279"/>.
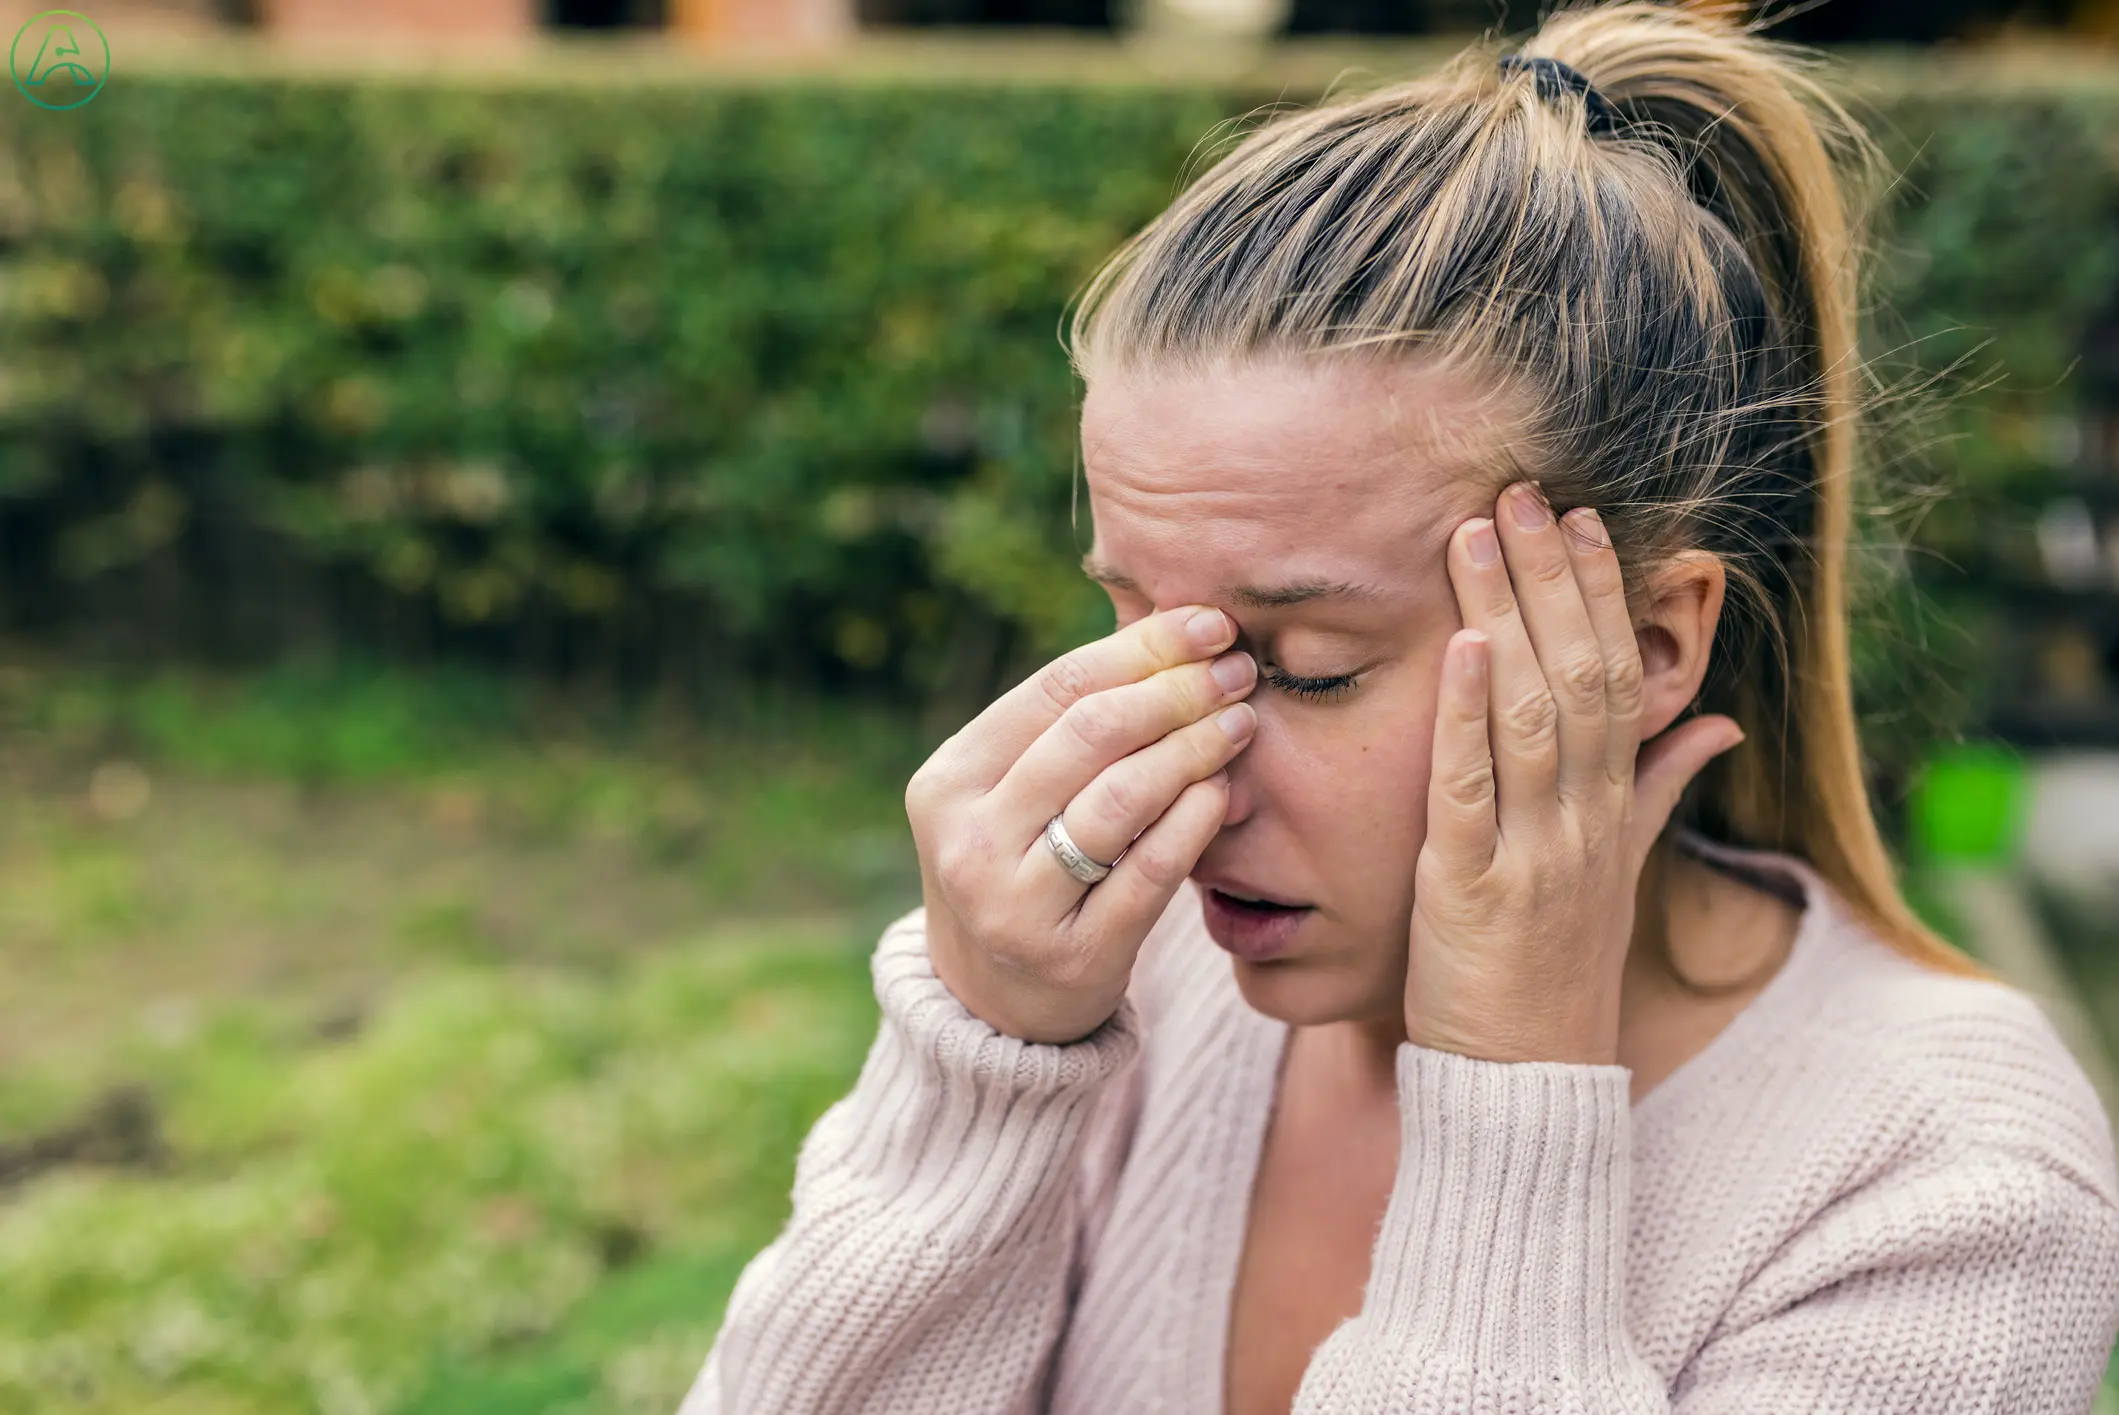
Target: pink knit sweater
<point x="1879" y="1189"/>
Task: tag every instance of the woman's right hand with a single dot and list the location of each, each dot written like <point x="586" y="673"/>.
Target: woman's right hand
<point x="1128" y="737"/>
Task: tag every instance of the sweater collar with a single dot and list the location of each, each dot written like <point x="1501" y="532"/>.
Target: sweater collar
<point x="1824" y="917"/>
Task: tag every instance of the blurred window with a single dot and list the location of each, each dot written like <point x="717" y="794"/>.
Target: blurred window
<point x="604" y="14"/>
<point x="1089" y="13"/>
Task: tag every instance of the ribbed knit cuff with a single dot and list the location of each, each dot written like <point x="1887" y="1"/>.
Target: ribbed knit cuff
<point x="964" y="1131"/>
<point x="960" y="1047"/>
<point x="1503" y="1246"/>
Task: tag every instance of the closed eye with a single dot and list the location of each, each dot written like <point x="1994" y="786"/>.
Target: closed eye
<point x="1314" y="688"/>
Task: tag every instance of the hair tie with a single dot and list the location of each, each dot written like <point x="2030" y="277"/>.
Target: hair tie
<point x="1556" y="78"/>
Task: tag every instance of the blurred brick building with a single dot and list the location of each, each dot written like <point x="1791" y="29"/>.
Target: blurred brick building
<point x="451" y="21"/>
<point x="735" y="21"/>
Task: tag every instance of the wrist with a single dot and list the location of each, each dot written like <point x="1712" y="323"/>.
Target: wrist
<point x="1579" y="1033"/>
<point x="1011" y="1004"/>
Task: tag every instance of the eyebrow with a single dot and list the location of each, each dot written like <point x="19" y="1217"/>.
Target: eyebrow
<point x="1251" y="596"/>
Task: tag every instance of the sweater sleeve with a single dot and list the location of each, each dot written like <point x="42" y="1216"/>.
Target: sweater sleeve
<point x="926" y="1262"/>
<point x="1983" y="1283"/>
<point x="1986" y="1283"/>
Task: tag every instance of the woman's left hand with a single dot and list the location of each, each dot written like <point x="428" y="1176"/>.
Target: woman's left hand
<point x="1537" y="830"/>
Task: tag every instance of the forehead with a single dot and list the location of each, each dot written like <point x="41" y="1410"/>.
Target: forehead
<point x="1287" y="470"/>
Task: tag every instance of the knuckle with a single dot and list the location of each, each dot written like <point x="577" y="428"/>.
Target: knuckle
<point x="1582" y="676"/>
<point x="1624" y="682"/>
<point x="1126" y="798"/>
<point x="1532" y="719"/>
<point x="1162" y="868"/>
<point x="923" y="793"/>
<point x="1606" y="594"/>
<point x="1469" y="788"/>
<point x="1098" y="721"/>
<point x="1064" y="682"/>
<point x="955" y="863"/>
<point x="1176" y="696"/>
<point x="964" y="854"/>
<point x="1551" y="570"/>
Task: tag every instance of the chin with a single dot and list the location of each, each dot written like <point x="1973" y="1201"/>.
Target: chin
<point x="1310" y="991"/>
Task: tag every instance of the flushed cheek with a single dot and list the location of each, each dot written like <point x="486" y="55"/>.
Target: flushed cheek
<point x="1357" y="800"/>
<point x="1386" y="807"/>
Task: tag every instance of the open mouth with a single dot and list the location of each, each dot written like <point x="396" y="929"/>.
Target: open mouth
<point x="1263" y="908"/>
<point x="1253" y="927"/>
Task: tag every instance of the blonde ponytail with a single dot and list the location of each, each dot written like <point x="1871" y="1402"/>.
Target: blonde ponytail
<point x="1770" y="152"/>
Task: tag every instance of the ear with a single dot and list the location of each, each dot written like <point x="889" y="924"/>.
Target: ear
<point x="1675" y="633"/>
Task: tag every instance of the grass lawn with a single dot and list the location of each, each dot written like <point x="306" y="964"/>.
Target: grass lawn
<point x="371" y="1045"/>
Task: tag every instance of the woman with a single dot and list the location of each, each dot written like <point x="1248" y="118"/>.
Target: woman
<point x="1320" y="1000"/>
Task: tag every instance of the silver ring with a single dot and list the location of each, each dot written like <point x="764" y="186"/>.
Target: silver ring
<point x="1070" y="855"/>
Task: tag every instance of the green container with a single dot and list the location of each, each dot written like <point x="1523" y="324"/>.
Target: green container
<point x="1968" y="804"/>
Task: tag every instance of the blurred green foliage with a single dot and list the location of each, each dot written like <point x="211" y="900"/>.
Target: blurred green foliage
<point x="777" y="364"/>
<point x="429" y="1203"/>
<point x="300" y="721"/>
<point x="690" y="381"/>
<point x="769" y="798"/>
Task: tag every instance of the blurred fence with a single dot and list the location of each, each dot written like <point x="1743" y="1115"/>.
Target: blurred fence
<point x="668" y="386"/>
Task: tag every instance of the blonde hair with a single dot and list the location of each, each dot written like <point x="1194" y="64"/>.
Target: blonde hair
<point x="1671" y="302"/>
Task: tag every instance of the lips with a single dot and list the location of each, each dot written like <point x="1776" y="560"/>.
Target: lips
<point x="1262" y="906"/>
<point x="1253" y="924"/>
<point x="1238" y="892"/>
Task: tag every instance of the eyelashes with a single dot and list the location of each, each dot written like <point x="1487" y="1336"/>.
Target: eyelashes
<point x="1315" y="689"/>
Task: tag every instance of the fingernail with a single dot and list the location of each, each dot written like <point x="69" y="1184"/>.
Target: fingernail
<point x="1588" y="528"/>
<point x="1530" y="508"/>
<point x="1209" y="628"/>
<point x="1232" y="671"/>
<point x="1484" y="548"/>
<point x="1237" y="721"/>
<point x="1474" y="661"/>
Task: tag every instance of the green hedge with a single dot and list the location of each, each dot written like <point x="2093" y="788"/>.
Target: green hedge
<point x="697" y="379"/>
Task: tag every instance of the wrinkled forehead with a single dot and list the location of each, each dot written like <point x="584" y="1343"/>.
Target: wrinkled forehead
<point x="1281" y="468"/>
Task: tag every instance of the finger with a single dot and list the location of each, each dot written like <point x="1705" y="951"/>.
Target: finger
<point x="1667" y="766"/>
<point x="1128" y="798"/>
<point x="1135" y="893"/>
<point x="1522" y="713"/>
<point x="1570" y="658"/>
<point x="1461" y="825"/>
<point x="1108" y="727"/>
<point x="1604" y="595"/>
<point x="994" y="739"/>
